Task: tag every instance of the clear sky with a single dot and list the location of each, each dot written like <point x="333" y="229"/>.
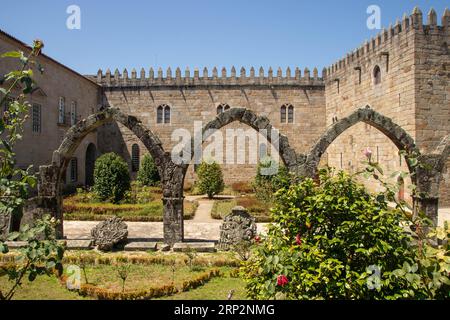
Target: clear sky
<point x="199" y="33"/>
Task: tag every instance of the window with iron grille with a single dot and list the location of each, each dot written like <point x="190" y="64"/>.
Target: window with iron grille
<point x="61" y="110"/>
<point x="135" y="158"/>
<point x="36" y="118"/>
<point x="73" y="170"/>
<point x="73" y="113"/>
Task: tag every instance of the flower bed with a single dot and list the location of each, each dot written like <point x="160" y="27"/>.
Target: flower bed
<point x="254" y="206"/>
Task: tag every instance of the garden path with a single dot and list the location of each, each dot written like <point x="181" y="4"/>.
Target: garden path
<point x="205" y="205"/>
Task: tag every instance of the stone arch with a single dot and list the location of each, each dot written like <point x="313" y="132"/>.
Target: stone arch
<point x="394" y="132"/>
<point x="50" y="177"/>
<point x="248" y="117"/>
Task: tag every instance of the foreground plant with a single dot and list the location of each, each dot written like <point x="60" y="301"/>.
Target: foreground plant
<point x="42" y="254"/>
<point x="335" y="240"/>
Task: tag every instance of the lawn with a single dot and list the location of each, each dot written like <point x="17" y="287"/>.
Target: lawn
<point x="255" y="207"/>
<point x="141" y="204"/>
<point x="145" y="271"/>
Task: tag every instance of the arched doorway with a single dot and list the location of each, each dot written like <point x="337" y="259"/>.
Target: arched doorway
<point x="91" y="155"/>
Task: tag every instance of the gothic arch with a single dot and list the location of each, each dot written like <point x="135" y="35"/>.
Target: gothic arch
<point x="394" y="132"/>
<point x="443" y="151"/>
<point x="248" y="117"/>
<point x="50" y="177"/>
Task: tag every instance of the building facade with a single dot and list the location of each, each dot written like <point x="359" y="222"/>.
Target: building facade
<point x="402" y="73"/>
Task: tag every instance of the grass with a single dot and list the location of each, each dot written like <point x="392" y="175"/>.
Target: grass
<point x="43" y="288"/>
<point x="141" y="276"/>
<point x="146" y="206"/>
<point x="255" y="207"/>
<point x="216" y="289"/>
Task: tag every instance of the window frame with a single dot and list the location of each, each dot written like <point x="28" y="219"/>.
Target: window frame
<point x="135" y="157"/>
<point x="36" y="124"/>
<point x="376" y="74"/>
<point x="73" y="172"/>
<point x="61" y="110"/>
<point x="73" y="113"/>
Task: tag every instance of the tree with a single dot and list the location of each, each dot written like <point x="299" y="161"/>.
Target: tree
<point x="270" y="177"/>
<point x="42" y="254"/>
<point x="111" y="178"/>
<point x="148" y="173"/>
<point x="210" y="178"/>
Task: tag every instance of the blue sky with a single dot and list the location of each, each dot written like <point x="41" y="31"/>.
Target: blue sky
<point x="199" y="33"/>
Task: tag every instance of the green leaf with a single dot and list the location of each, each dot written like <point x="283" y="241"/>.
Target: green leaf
<point x="12" y="54"/>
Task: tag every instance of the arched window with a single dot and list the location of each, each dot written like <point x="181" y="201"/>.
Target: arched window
<point x="135" y="158"/>
<point x="290" y="114"/>
<point x="222" y="107"/>
<point x="159" y="115"/>
<point x="283" y="114"/>
<point x="166" y="114"/>
<point x="377" y="75"/>
<point x="163" y="114"/>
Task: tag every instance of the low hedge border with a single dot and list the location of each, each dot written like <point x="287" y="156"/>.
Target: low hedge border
<point x="93" y="259"/>
<point x="151" y="293"/>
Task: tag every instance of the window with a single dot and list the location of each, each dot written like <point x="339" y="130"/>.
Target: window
<point x="377" y="75"/>
<point x="289" y="109"/>
<point x="166" y="114"/>
<point x="73" y="113"/>
<point x="159" y="115"/>
<point x="73" y="170"/>
<point x="36" y="118"/>
<point x="283" y="114"/>
<point x="222" y="107"/>
<point x="135" y="158"/>
<point x="290" y="114"/>
<point x="163" y="114"/>
<point x="61" y="109"/>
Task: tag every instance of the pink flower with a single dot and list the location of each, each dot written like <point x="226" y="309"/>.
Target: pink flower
<point x="282" y="280"/>
<point x="257" y="239"/>
<point x="298" y="240"/>
<point x="368" y="153"/>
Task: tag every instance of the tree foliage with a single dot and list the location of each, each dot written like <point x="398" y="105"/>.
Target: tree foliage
<point x="111" y="178"/>
<point x="148" y="174"/>
<point x="210" y="178"/>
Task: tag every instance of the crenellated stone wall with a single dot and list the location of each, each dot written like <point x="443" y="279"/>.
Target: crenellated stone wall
<point x="196" y="98"/>
<point x="413" y="59"/>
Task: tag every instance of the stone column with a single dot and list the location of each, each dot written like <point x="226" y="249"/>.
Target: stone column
<point x="427" y="178"/>
<point x="173" y="220"/>
<point x="50" y="200"/>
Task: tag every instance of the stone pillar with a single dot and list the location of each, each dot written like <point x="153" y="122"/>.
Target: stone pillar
<point x="50" y="200"/>
<point x="427" y="176"/>
<point x="173" y="220"/>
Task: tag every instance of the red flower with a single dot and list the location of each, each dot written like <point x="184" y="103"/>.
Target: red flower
<point x="282" y="280"/>
<point x="298" y="240"/>
<point x="257" y="239"/>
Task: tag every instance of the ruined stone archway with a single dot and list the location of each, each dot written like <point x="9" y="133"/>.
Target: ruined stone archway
<point x="50" y="176"/>
<point x="248" y="117"/>
<point x="394" y="132"/>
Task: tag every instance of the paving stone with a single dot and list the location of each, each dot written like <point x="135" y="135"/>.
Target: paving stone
<point x="196" y="246"/>
<point x="79" y="244"/>
<point x="140" y="246"/>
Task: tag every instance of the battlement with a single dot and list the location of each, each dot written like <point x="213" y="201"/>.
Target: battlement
<point x="408" y="24"/>
<point x="144" y="79"/>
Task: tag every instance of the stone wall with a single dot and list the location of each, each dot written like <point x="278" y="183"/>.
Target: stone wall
<point x="410" y="56"/>
<point x="197" y="98"/>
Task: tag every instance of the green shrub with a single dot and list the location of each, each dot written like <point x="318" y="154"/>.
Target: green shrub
<point x="210" y="179"/>
<point x="111" y="178"/>
<point x="326" y="242"/>
<point x="148" y="173"/>
<point x="266" y="184"/>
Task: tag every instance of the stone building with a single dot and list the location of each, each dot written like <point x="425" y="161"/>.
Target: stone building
<point x="402" y="73"/>
<point x="62" y="98"/>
